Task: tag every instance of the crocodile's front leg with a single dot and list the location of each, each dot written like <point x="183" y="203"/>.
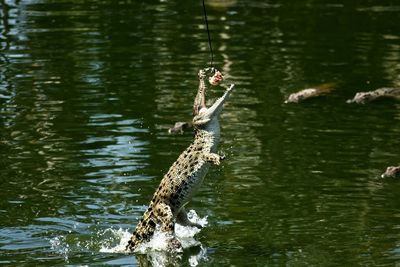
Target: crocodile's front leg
<point x="213" y="158"/>
<point x="199" y="101"/>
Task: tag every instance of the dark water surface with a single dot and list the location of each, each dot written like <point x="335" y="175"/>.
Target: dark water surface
<point x="88" y="90"/>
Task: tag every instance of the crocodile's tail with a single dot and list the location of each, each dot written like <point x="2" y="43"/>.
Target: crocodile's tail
<point x="144" y="231"/>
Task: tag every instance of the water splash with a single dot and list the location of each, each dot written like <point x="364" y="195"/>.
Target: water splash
<point x="185" y="234"/>
<point x="61" y="246"/>
<point x="155" y="251"/>
<point x="159" y="241"/>
<point x="121" y="235"/>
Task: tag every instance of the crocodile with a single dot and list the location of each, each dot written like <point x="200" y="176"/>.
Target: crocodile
<point x="307" y="93"/>
<point x="365" y="97"/>
<point x="392" y="171"/>
<point x="179" y="127"/>
<point x="186" y="174"/>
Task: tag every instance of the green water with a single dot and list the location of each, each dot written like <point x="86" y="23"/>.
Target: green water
<point x="88" y="90"/>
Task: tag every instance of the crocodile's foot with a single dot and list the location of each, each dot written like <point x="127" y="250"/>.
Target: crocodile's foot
<point x="214" y="158"/>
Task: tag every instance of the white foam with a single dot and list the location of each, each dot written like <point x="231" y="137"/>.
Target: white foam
<point x="195" y="259"/>
<point x="156" y="250"/>
<point x="122" y="235"/>
<point x="159" y="241"/>
<point x="185" y="234"/>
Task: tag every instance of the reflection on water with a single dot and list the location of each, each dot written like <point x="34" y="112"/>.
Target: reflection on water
<point x="89" y="89"/>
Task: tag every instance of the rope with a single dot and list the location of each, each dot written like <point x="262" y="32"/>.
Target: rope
<point x="208" y="34"/>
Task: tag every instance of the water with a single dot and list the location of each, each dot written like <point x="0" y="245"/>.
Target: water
<point x="88" y="90"/>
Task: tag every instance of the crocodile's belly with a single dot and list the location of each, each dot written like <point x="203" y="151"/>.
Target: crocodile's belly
<point x="189" y="186"/>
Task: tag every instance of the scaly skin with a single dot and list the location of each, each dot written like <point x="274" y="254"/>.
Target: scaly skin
<point x="186" y="174"/>
<point x="320" y="90"/>
<point x="392" y="172"/>
<point x="365" y="97"/>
